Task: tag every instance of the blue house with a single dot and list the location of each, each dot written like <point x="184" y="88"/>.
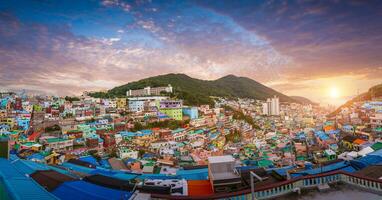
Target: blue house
<point x="192" y="112"/>
<point x="23" y="123"/>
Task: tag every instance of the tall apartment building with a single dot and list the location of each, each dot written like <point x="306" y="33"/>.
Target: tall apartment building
<point x="271" y="106"/>
<point x="149" y="91"/>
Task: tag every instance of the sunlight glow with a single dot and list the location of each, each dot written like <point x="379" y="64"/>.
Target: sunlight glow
<point x="334" y="93"/>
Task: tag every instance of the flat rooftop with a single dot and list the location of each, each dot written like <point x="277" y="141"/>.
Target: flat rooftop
<point x="338" y="192"/>
<point x="221" y="159"/>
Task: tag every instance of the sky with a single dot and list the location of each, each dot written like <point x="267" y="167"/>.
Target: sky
<point x="327" y="51"/>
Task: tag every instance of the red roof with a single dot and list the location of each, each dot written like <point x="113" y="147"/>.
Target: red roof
<point x="359" y="141"/>
<point x="199" y="188"/>
<point x="34" y="136"/>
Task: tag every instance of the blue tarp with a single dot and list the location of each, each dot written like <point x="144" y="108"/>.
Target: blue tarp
<point x="194" y="174"/>
<point x="74" y="190"/>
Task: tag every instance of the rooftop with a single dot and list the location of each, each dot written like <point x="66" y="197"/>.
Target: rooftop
<point x="221" y="159"/>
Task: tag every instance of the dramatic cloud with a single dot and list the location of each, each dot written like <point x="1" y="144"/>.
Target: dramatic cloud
<point x="297" y="47"/>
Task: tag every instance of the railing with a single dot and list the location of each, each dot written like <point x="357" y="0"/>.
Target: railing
<point x="290" y="186"/>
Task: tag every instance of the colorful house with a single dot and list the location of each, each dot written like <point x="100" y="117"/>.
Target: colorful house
<point x="171" y="108"/>
<point x="192" y="112"/>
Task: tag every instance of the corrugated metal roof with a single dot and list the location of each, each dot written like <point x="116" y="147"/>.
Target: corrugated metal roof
<point x="73" y="190"/>
<point x="28" y="167"/>
<point x="19" y="186"/>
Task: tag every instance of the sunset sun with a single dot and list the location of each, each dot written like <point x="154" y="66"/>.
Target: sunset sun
<point x="334" y="92"/>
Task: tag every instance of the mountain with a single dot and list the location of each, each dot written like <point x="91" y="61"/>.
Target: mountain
<point x="303" y="100"/>
<point x="196" y="92"/>
<point x="373" y="92"/>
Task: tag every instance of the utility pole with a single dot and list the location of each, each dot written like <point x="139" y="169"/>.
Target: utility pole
<point x="253" y="174"/>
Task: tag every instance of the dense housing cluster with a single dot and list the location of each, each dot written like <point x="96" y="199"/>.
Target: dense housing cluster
<point x="146" y="146"/>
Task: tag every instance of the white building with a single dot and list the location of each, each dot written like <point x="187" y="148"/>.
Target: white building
<point x="376" y="121"/>
<point x="147" y="91"/>
<point x="124" y="153"/>
<point x="136" y="105"/>
<point x="271" y="106"/>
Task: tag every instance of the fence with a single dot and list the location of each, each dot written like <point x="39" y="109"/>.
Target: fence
<point x="290" y="186"/>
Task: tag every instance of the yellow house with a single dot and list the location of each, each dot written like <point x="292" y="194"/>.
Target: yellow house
<point x="347" y="142"/>
<point x="121" y="103"/>
<point x="9" y="121"/>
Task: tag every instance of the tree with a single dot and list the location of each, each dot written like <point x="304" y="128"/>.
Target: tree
<point x="71" y="99"/>
<point x="137" y="127"/>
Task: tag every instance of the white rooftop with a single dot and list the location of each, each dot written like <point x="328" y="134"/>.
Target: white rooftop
<point x="221" y="159"/>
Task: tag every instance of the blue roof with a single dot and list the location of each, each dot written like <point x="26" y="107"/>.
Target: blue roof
<point x="129" y="160"/>
<point x="127" y="134"/>
<point x="138" y="133"/>
<point x="105" y="163"/>
<point x="366" y="161"/>
<point x="36" y="156"/>
<point x="87" y="191"/>
<point x="28" y="167"/>
<point x="322" y="135"/>
<point x="376" y="153"/>
<point x="242" y="168"/>
<point x="282" y="171"/>
<point x="146" y="131"/>
<point x="194" y="174"/>
<point x="103" y="172"/>
<point x="89" y="159"/>
<point x="157" y="176"/>
<point x="148" y="155"/>
<point x="78" y="168"/>
<point x="125" y="176"/>
<point x="18" y="186"/>
<point x="343" y="165"/>
<point x="347" y="127"/>
<point x="334" y="132"/>
<point x="114" y="173"/>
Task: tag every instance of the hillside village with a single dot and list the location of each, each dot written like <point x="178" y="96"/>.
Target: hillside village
<point x="151" y="144"/>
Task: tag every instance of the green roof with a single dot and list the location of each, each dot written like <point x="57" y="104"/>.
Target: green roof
<point x="29" y="144"/>
<point x="264" y="163"/>
<point x="51" y="140"/>
<point x="377" y="146"/>
<point x="149" y="164"/>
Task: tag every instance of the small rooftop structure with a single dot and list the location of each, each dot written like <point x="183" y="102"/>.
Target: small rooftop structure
<point x="222" y="173"/>
<point x="220" y="159"/>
